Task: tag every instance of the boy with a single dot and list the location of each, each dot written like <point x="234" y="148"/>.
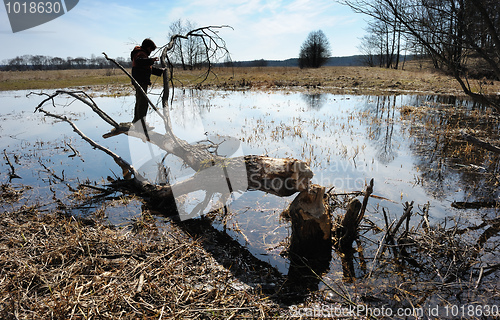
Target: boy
<point x="142" y="68"/>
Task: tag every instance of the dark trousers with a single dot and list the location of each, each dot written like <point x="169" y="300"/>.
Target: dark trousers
<point x="141" y="103"/>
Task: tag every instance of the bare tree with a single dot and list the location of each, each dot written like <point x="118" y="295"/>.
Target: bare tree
<point x="451" y="31"/>
<point x="187" y="52"/>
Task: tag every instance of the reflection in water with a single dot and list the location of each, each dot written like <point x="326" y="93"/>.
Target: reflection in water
<point x="381" y="111"/>
<point x="315" y="101"/>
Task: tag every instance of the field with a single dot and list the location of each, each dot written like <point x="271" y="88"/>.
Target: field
<point x="357" y="80"/>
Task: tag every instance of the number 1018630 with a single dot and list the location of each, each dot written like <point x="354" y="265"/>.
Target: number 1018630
<point x="33" y="7"/>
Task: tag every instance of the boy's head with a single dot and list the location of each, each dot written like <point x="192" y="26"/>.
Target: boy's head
<point x="149" y="45"/>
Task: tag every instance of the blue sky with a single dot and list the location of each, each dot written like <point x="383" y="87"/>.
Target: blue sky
<point x="262" y="29"/>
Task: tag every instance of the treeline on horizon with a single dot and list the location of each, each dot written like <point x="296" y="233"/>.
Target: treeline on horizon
<point x="39" y="62"/>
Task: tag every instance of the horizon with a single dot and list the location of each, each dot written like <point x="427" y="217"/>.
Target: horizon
<point x="233" y="61"/>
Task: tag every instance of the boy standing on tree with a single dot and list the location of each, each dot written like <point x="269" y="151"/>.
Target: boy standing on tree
<point x="142" y="68"/>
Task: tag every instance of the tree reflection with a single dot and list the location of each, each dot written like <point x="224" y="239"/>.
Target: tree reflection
<point x="432" y="123"/>
<point x="314" y="101"/>
<point x="446" y="162"/>
<point x="381" y="111"/>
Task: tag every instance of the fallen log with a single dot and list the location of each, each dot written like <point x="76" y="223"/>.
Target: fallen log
<point x="281" y="177"/>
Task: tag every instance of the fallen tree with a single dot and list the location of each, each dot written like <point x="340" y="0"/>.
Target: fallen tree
<point x="214" y="174"/>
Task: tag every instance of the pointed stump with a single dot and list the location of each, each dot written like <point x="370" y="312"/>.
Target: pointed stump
<point x="310" y="242"/>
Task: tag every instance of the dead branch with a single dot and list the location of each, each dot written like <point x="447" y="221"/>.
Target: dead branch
<point x="408" y="207"/>
<point x="368" y="192"/>
<point x="75" y="152"/>
<point x="213" y="43"/>
<point x="78" y="95"/>
<point x="474" y="204"/>
<point x="347" y="231"/>
<point x="12" y="173"/>
<point x="135" y="83"/>
<point x="51" y="172"/>
<point x="119" y="160"/>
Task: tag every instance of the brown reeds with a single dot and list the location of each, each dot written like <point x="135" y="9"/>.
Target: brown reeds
<point x="54" y="266"/>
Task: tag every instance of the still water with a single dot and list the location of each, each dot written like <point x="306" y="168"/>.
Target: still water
<point x="347" y="140"/>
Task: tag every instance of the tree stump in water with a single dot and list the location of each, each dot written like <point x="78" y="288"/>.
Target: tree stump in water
<point x="310" y="250"/>
<point x="311" y="225"/>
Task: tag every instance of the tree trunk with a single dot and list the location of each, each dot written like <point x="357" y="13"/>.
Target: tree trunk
<point x="310" y="250"/>
<point x="311" y="224"/>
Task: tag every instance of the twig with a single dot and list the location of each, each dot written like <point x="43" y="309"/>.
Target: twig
<point x="12" y="173"/>
<point x="161" y="312"/>
<point x="75" y="152"/>
<point x="381" y="245"/>
<point x="479" y="278"/>
<point x="87" y="100"/>
<point x="408" y="207"/>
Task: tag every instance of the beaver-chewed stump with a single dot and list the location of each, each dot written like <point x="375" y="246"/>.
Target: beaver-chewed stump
<point x="311" y="225"/>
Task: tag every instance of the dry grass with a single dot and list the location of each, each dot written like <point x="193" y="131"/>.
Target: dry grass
<point x="57" y="79"/>
<point x="57" y="267"/>
<point x="352" y="80"/>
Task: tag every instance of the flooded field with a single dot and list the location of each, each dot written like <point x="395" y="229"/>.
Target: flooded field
<point x="409" y="144"/>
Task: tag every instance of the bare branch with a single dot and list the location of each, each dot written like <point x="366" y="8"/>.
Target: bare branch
<point x="119" y="160"/>
<point x="12" y="173"/>
<point x="75" y="94"/>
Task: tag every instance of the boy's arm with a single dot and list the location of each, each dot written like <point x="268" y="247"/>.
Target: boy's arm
<point x="142" y="60"/>
<point x="157" y="71"/>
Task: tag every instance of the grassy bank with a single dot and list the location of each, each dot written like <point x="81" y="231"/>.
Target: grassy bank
<point x="356" y="80"/>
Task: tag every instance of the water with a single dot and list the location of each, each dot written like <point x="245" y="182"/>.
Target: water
<point x="347" y="140"/>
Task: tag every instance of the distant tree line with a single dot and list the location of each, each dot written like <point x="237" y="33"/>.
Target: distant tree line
<point x="40" y="62"/>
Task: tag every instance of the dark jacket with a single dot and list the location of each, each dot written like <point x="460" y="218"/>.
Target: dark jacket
<point x="142" y="66"/>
